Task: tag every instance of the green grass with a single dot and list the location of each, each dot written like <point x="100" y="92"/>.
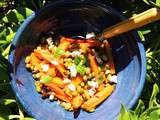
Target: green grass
<point x="12" y="16"/>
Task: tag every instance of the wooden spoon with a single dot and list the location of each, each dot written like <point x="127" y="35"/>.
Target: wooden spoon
<point x="134" y="22"/>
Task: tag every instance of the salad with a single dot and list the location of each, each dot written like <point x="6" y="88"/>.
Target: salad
<point x="75" y="73"/>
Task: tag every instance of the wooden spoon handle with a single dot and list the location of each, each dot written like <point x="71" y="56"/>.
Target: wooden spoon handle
<point x="136" y="21"/>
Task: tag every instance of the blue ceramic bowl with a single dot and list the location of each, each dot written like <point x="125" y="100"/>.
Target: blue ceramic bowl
<point x="70" y="18"/>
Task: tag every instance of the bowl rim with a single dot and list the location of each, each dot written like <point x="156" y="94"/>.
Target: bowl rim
<point x="104" y="7"/>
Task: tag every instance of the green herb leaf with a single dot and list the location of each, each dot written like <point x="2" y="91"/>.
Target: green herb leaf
<point x="86" y="61"/>
<point x="124" y="115"/>
<point x="14" y="117"/>
<point x="141" y="35"/>
<point x="20" y="110"/>
<point x="155" y="3"/>
<point x="17" y="15"/>
<point x="150" y="114"/>
<point x="28" y="118"/>
<point x="80" y="69"/>
<point x="58" y="53"/>
<point x="140" y="108"/>
<point x="46" y="79"/>
<point x="100" y="79"/>
<point x="7" y="101"/>
<point x="38" y="89"/>
<point x="133" y="115"/>
<point x="153" y="101"/>
<point x="77" y="60"/>
<point x="57" y="80"/>
<point x="4" y="112"/>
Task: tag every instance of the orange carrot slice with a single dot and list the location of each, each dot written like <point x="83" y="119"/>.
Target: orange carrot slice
<point x="98" y="98"/>
<point x="59" y="93"/>
<point x="77" y="80"/>
<point x="84" y="44"/>
<point x="88" y="41"/>
<point x="58" y="81"/>
<point x="63" y="98"/>
<point x="77" y="102"/>
<point x="51" y="71"/>
<point x="101" y="87"/>
<point x="93" y="64"/>
<point x="110" y="61"/>
<point x="34" y="59"/>
<point x="63" y="43"/>
<point x="61" y="69"/>
<point x="46" y="56"/>
<point x="43" y="55"/>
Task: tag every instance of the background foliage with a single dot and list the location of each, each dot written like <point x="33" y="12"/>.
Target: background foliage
<point x="14" y="12"/>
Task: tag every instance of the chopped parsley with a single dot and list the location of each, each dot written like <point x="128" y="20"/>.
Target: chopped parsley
<point x="46" y="79"/>
<point x="80" y="69"/>
<point x="77" y="60"/>
<point x="100" y="79"/>
<point x="58" y="52"/>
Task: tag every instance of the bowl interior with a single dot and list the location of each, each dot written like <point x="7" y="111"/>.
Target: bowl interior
<point x="70" y="19"/>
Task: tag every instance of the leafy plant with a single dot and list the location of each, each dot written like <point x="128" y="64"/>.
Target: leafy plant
<point x="148" y="107"/>
<point x="152" y="113"/>
<point x="9" y="24"/>
<point x="14" y="12"/>
<point x="153" y="2"/>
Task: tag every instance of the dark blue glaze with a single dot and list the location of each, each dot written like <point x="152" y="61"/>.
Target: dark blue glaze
<point x="70" y="18"/>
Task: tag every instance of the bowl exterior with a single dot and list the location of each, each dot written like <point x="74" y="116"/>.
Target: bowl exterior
<point x="128" y="51"/>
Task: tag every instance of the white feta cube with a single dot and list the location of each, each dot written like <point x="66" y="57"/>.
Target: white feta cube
<point x="93" y="84"/>
<point x="45" y="67"/>
<point x="75" y="53"/>
<point x="51" y="97"/>
<point x="91" y="92"/>
<point x="54" y="62"/>
<point x="113" y="79"/>
<point x="66" y="80"/>
<point x="90" y="35"/>
<point x="73" y="70"/>
<point x="72" y="87"/>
